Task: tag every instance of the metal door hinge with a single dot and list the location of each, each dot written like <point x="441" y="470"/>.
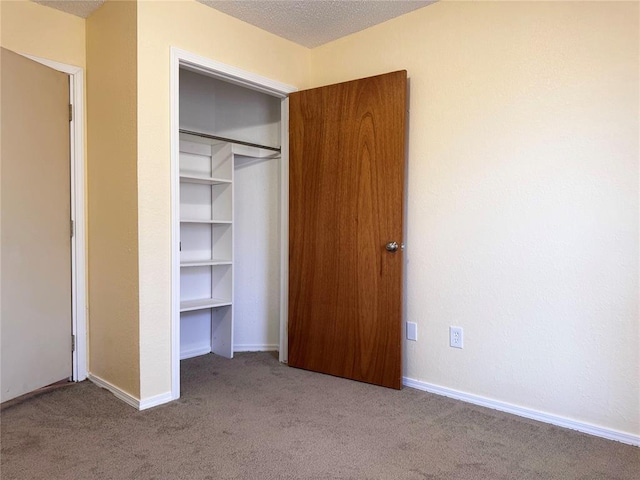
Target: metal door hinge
<point x="70" y="112"/>
<point x="73" y="343"/>
<point x="73" y="228"/>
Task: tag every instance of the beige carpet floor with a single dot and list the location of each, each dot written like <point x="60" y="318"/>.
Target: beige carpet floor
<point x="253" y="418"/>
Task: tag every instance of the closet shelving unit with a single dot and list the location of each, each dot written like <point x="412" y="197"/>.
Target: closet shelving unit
<point x="206" y="239"/>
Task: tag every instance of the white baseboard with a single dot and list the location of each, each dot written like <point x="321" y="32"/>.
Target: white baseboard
<point x="121" y="394"/>
<point x="155" y="400"/>
<point x="607" y="433"/>
<point x="130" y="399"/>
<point x="265" y="347"/>
<point x="194" y="352"/>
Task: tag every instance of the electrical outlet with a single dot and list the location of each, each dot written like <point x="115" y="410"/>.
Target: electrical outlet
<point x="412" y="331"/>
<point x="456" y="339"/>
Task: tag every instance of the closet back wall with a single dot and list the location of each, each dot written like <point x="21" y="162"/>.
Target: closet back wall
<point x="208" y="105"/>
<point x="256" y="248"/>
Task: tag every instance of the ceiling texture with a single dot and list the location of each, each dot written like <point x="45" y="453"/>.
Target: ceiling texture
<point x="79" y="8"/>
<point x="309" y="23"/>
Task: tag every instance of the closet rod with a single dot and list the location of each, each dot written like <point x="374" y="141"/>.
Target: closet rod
<point x="230" y="140"/>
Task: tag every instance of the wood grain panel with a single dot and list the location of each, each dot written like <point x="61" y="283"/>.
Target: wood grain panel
<point x="346" y="202"/>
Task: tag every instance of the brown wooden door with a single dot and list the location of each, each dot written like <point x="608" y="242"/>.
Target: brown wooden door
<point x="36" y="240"/>
<point x="346" y="193"/>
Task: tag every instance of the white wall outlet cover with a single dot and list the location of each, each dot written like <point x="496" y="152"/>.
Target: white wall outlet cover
<point x="456" y="339"/>
<point x="412" y="331"/>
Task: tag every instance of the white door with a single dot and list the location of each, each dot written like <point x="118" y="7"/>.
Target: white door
<point x="36" y="317"/>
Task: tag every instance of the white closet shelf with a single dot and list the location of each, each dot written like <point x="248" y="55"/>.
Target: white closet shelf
<point x="204" y="303"/>
<point x="223" y="222"/>
<point x="255" y="152"/>
<point x="204" y="180"/>
<point x="205" y="263"/>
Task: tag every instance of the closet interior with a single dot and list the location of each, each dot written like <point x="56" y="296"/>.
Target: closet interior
<point x="229" y="214"/>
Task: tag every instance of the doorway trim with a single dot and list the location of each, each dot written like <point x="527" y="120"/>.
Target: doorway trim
<point x="243" y="78"/>
<point x="78" y="239"/>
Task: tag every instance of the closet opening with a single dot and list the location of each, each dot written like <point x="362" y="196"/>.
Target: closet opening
<point x="230" y="210"/>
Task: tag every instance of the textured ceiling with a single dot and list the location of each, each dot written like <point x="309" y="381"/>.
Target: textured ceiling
<point x="79" y="8"/>
<point x="309" y="22"/>
<point x="314" y="22"/>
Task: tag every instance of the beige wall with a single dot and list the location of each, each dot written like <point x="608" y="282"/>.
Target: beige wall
<point x="522" y="222"/>
<point x="198" y="29"/>
<point x="44" y="32"/>
<point x="113" y="195"/>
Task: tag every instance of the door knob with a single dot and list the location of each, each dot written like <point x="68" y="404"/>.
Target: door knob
<point x="391" y="247"/>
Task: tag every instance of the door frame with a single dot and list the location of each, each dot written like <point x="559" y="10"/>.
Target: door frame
<point x="243" y="78"/>
<point x="78" y="239"/>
